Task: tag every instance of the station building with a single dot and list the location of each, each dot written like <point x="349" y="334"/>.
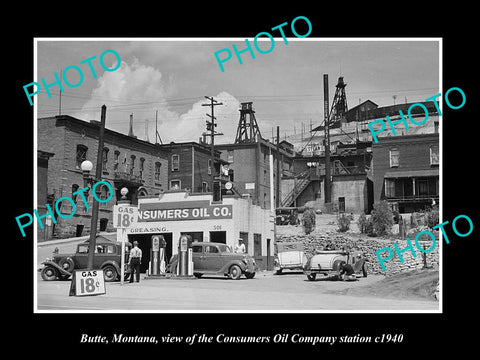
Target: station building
<point x="178" y="212"/>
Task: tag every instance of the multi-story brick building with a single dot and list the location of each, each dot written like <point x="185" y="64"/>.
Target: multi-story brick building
<point x="128" y="162"/>
<point x="249" y="167"/>
<point x="190" y="167"/>
<point x="406" y="171"/>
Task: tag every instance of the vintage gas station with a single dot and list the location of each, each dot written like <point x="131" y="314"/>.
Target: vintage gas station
<point x="171" y="214"/>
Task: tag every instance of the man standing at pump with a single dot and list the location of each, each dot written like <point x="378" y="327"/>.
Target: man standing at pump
<point x="134" y="261"/>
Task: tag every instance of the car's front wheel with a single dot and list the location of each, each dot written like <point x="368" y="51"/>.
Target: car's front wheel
<point x="311" y="277"/>
<point x="198" y="275"/>
<point x="235" y="272"/>
<point x="49" y="273"/>
<point x="110" y="273"/>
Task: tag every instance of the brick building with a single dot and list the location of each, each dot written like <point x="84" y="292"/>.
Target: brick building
<point x="406" y="171"/>
<point x="249" y="167"/>
<point x="127" y="162"/>
<point x="42" y="190"/>
<point x="189" y="167"/>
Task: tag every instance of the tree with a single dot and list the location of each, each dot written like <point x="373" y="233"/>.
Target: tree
<point x="382" y="218"/>
<point x="308" y="220"/>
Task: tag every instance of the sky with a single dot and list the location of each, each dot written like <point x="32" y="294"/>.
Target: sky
<point x="169" y="78"/>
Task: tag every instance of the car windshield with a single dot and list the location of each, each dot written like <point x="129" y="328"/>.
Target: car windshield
<point x="225" y="248"/>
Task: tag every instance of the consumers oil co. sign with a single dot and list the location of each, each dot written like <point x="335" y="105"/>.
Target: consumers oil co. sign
<point x="188" y="210"/>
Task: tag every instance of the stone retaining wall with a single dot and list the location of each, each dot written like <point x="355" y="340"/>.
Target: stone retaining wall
<point x="368" y="246"/>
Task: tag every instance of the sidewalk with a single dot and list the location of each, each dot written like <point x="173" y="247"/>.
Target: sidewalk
<point x="110" y="235"/>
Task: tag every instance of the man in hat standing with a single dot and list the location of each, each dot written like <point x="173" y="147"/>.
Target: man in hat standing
<point x="134" y="261"/>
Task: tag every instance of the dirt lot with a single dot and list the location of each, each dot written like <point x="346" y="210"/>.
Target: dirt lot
<point x="415" y="284"/>
<point x="412" y="284"/>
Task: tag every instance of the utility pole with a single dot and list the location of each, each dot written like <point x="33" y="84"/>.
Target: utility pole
<point x="277" y="194"/>
<point x="98" y="177"/>
<point x="328" y="198"/>
<point x="60" y="98"/>
<point x="211" y="127"/>
<point x="157" y="135"/>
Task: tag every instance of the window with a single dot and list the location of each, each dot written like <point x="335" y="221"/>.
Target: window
<point x="132" y="163"/>
<point x="230" y="156"/>
<point x="209" y="166"/>
<point x="434" y="155"/>
<point x="104" y="158"/>
<point x="116" y="156"/>
<point x="157" y="170"/>
<point x="257" y="245"/>
<point x="142" y="166"/>
<point x="394" y="157"/>
<point x="197" y="249"/>
<point x="82" y="249"/>
<point x="104" y="192"/>
<point x="175" y="162"/>
<point x="211" y="249"/>
<point x="175" y="184"/>
<point x="422" y="187"/>
<point x="389" y="188"/>
<point x="74" y="189"/>
<point x="81" y="155"/>
<point x="204" y="186"/>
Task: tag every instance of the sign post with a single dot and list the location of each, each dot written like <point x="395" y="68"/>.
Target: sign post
<point x="124" y="217"/>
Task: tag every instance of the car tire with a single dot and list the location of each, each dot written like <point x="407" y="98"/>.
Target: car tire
<point x="364" y="270"/>
<point x="109" y="273"/>
<point x="67" y="264"/>
<point x="250" y="275"/>
<point x="235" y="272"/>
<point x="49" y="273"/>
<point x="198" y="275"/>
<point x="278" y="272"/>
<point x="311" y="277"/>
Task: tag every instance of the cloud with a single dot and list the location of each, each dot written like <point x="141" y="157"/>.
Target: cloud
<point x="141" y="90"/>
<point x="192" y="124"/>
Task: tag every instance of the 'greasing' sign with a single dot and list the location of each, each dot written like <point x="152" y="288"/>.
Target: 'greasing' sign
<point x="174" y="211"/>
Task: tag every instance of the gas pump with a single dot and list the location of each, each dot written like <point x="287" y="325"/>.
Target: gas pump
<point x="185" y="261"/>
<point x="157" y="255"/>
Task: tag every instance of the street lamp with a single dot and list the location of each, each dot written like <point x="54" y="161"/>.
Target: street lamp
<point x="86" y="167"/>
<point x="124" y="192"/>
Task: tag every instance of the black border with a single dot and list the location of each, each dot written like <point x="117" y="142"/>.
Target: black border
<point x="423" y="333"/>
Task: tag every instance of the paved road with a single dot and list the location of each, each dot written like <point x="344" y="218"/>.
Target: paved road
<point x="266" y="292"/>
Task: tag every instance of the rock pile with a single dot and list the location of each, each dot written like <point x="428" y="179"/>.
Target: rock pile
<point x="368" y="245"/>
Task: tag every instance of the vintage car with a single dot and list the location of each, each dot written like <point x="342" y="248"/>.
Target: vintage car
<point x="210" y="258"/>
<point x="107" y="258"/>
<point x="287" y="216"/>
<point x="289" y="256"/>
<point x="327" y="262"/>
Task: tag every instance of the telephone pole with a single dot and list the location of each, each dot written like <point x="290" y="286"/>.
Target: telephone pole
<point x="211" y="127"/>
<point x="326" y="115"/>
